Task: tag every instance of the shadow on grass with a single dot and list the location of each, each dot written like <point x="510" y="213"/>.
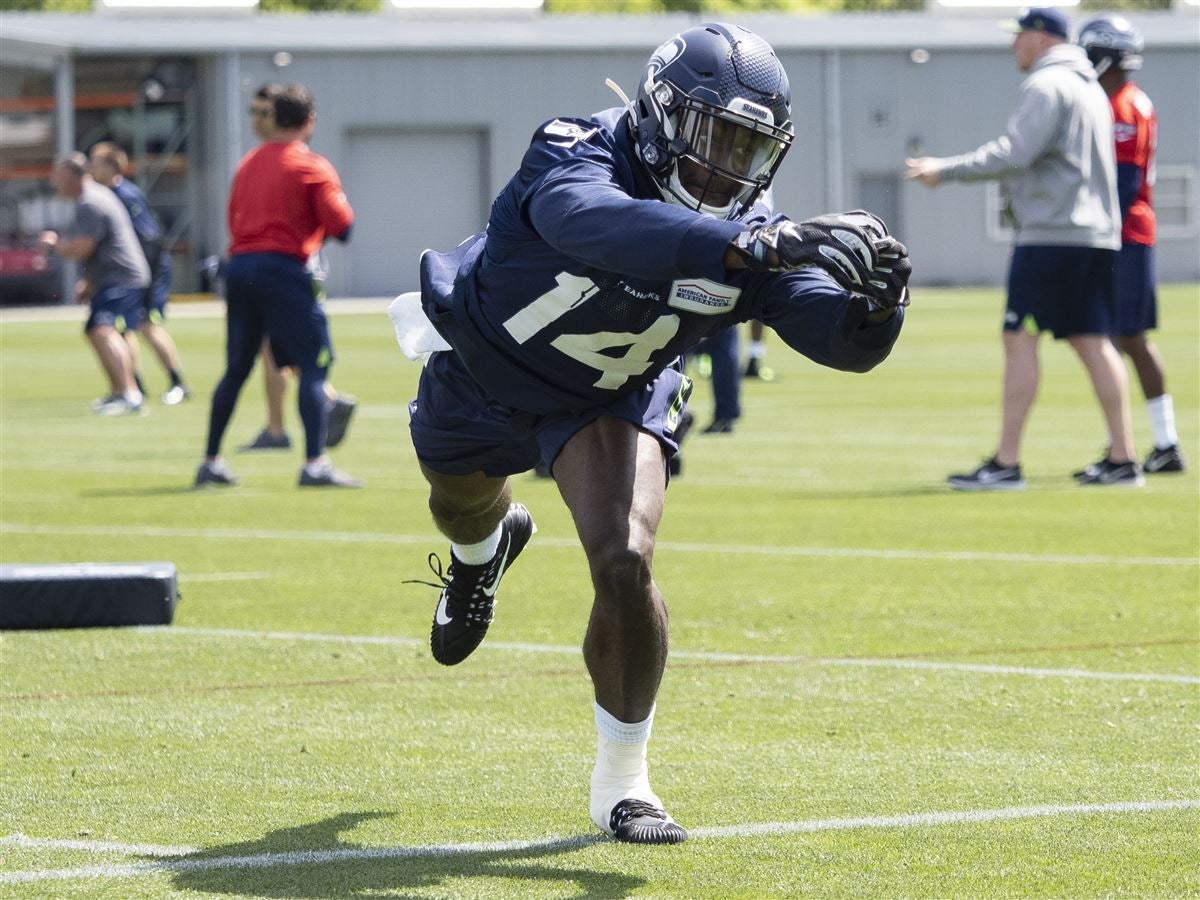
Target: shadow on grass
<point x="313" y="861"/>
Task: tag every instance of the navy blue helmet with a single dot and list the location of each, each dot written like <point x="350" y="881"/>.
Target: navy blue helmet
<point x="1109" y="41"/>
<point x="713" y="119"/>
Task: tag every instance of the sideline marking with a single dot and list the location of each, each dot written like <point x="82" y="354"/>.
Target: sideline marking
<point x="343" y="854"/>
<point x="562" y="649"/>
<point x="369" y="537"/>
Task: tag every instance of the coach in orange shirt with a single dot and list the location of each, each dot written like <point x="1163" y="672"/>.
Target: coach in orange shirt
<point x="284" y="202"/>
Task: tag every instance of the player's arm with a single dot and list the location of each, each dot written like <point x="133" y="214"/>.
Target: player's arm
<point x="1031" y="127"/>
<point x="582" y="213"/>
<point x="78" y="248"/>
<point x="814" y="316"/>
<point x="1129" y="182"/>
<point x="333" y="209"/>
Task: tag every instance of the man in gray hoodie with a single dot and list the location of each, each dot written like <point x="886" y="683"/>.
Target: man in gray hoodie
<point x="1057" y="164"/>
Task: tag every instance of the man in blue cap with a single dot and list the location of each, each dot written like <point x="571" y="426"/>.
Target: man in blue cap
<point x="1057" y="166"/>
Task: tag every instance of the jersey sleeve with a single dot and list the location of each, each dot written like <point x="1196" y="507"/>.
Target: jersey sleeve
<point x="333" y="209"/>
<point x="578" y="205"/>
<point x="814" y="316"/>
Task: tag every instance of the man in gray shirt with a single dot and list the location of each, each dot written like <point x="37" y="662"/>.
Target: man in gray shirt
<point x="1057" y="163"/>
<point x="115" y="271"/>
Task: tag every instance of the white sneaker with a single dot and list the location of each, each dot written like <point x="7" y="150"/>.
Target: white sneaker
<point x="176" y="395"/>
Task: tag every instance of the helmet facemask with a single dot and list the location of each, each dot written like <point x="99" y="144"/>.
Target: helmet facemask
<point x="722" y="158"/>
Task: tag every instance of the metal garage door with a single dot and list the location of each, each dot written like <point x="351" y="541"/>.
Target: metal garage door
<point x="411" y="190"/>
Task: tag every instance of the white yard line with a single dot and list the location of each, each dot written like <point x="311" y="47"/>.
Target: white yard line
<point x="368" y="537"/>
<point x="541" y="847"/>
<point x="565" y="650"/>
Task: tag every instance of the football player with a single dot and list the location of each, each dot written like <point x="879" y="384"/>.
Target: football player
<point x="1114" y="47"/>
<point x="623" y="240"/>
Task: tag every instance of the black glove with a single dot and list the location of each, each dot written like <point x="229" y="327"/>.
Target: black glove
<point x="853" y="247"/>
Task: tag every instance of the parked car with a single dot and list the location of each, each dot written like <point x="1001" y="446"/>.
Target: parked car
<point x="28" y="275"/>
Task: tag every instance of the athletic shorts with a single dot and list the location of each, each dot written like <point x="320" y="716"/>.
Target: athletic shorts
<point x="272" y="294"/>
<point x="1137" y="300"/>
<point x="1063" y="290"/>
<point x="117" y="307"/>
<point x="458" y="429"/>
<point x="155" y="299"/>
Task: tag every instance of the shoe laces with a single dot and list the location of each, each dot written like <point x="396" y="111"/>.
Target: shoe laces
<point x="477" y="608"/>
<point x="635" y="809"/>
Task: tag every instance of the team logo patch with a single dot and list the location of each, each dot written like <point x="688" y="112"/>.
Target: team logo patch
<point x="569" y="133"/>
<point x="699" y="295"/>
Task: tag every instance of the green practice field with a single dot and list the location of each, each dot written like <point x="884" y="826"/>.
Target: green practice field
<point x="878" y="687"/>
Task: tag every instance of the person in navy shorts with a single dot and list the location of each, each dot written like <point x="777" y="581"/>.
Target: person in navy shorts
<point x="623" y="240"/>
<point x="109" y="165"/>
<point x="115" y="276"/>
<point x="284" y="201"/>
<point x="1057" y="165"/>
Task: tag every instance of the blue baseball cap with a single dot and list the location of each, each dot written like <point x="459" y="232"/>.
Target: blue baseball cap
<point x="1041" y="18"/>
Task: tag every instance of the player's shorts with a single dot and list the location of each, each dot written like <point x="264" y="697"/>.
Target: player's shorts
<point x="272" y="294"/>
<point x="116" y="307"/>
<point x="1137" y="299"/>
<point x="154" y="301"/>
<point x="1063" y="290"/>
<point x="458" y="429"/>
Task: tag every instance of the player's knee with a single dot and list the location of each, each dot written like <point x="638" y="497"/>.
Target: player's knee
<point x="621" y="573"/>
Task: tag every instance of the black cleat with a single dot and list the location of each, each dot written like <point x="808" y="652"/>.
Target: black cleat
<point x="1109" y="473"/>
<point x="216" y="473"/>
<point x="467" y="602"/>
<point x="991" y="476"/>
<point x="720" y="426"/>
<point x="328" y="476"/>
<point x="267" y="441"/>
<point x="340" y="412"/>
<point x="1164" y="459"/>
<point x="638" y="822"/>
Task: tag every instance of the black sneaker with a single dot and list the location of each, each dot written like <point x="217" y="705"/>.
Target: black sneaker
<point x="267" y="441"/>
<point x="719" y="426"/>
<point x="1106" y="472"/>
<point x="1164" y="459"/>
<point x="340" y="411"/>
<point x="467" y="602"/>
<point x="328" y="476"/>
<point x="991" y="476"/>
<point x="216" y="473"/>
<point x="639" y="822"/>
<point x="1090" y="471"/>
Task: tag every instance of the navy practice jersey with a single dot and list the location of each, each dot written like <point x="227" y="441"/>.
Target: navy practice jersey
<point x="585" y="285"/>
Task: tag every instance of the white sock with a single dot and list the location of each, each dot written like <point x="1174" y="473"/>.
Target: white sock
<point x="1162" y="421"/>
<point x="318" y="467"/>
<point x="620" y="771"/>
<point x="757" y="350"/>
<point x="133" y="397"/>
<point x="478" y="554"/>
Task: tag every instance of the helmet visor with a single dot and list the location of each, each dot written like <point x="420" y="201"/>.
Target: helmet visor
<point x="735" y="146"/>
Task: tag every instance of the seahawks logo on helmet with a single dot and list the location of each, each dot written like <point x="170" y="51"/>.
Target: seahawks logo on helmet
<point x="1111" y="40"/>
<point x="712" y="120"/>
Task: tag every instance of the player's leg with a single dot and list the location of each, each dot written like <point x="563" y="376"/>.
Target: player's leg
<point x="1137" y="315"/>
<point x="467" y="447"/>
<point x="275" y="383"/>
<point x="722" y="349"/>
<point x="1022" y="375"/>
<point x="135" y="356"/>
<point x="756" y="353"/>
<point x="244" y="331"/>
<point x="612" y="477"/>
<point x="1027" y="287"/>
<point x="1110" y="383"/>
<point x="110" y="308"/>
<point x="299" y="333"/>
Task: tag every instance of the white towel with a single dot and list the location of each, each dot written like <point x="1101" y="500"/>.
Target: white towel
<point x="414" y="332"/>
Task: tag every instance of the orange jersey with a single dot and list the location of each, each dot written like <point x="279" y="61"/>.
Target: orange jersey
<point x="1135" y="124"/>
<point x="285" y="199"/>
